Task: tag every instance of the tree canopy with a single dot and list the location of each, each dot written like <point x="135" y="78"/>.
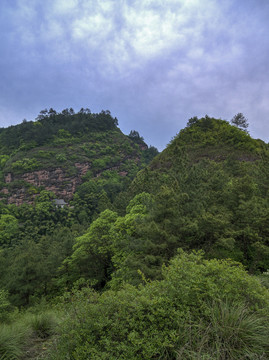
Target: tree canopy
<point x="240" y="121"/>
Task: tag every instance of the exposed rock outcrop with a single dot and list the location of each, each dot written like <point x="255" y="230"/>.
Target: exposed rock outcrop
<point x="57" y="180"/>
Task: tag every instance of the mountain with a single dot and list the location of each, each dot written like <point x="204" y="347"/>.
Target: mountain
<point x="208" y="142"/>
<point x="210" y="188"/>
<point x="161" y="260"/>
<point x="60" y="151"/>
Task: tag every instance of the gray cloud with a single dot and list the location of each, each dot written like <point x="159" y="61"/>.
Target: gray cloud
<point x="154" y="64"/>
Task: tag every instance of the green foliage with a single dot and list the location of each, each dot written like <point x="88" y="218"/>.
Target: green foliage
<point x="30" y="270"/>
<point x="236" y="331"/>
<point x="150" y="154"/>
<point x="130" y="243"/>
<point x="22" y="338"/>
<point x="8" y="228"/>
<point x="200" y="308"/>
<point x="264" y="278"/>
<point x="134" y="135"/>
<point x="216" y="175"/>
<point x="217" y="134"/>
<point x="12" y="339"/>
<point x="101" y="148"/>
<point x="27" y="146"/>
<point x="62" y="133"/>
<point x="99" y="164"/>
<point x="43" y="324"/>
<point x="4" y="305"/>
<point x="3" y="160"/>
<point x="25" y="165"/>
<point x="208" y="190"/>
<point x="51" y="124"/>
<point x="240" y="121"/>
<point x="91" y="258"/>
<point x="192" y="121"/>
<point x="61" y="157"/>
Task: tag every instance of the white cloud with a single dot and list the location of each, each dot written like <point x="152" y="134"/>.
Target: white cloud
<point x="144" y="28"/>
<point x="175" y="56"/>
<point x="63" y="7"/>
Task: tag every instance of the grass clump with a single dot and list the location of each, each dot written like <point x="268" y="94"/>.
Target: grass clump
<point x="238" y="332"/>
<point x="26" y="333"/>
<point x="43" y="324"/>
<point x="12" y="341"/>
<point x="231" y="331"/>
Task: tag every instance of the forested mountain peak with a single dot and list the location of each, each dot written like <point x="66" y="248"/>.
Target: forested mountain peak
<point x="216" y="139"/>
<point x="58" y="152"/>
<point x="211" y="189"/>
<point x="123" y="250"/>
<point x="49" y="124"/>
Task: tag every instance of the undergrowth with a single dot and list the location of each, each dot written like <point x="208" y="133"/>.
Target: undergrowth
<point x="17" y="338"/>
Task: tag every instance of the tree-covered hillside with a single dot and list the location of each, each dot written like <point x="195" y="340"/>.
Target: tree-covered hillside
<point x="165" y="261"/>
<point x="60" y="152"/>
<point x="49" y="124"/>
<point x="81" y="160"/>
<point x="210" y="186"/>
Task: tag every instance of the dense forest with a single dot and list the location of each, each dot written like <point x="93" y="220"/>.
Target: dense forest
<point x="151" y="256"/>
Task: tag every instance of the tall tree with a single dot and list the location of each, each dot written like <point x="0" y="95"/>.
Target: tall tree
<point x="240" y="121"/>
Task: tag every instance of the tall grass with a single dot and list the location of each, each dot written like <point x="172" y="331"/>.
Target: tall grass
<point x="43" y="325"/>
<point x="264" y="279"/>
<point x="18" y="338"/>
<point x="231" y="332"/>
<point x="12" y="341"/>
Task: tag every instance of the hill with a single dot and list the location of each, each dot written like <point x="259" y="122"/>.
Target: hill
<point x="210" y="190"/>
<point x="168" y="262"/>
<point x="207" y="190"/>
<point x="60" y="151"/>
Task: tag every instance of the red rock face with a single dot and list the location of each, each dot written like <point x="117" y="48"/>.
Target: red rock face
<point x="5" y="191"/>
<point x="8" y="178"/>
<point x="56" y="180"/>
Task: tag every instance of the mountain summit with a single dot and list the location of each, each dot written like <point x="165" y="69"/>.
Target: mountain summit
<point x="60" y="151"/>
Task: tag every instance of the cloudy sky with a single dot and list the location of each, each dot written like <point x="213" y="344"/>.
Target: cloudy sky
<point x="152" y="63"/>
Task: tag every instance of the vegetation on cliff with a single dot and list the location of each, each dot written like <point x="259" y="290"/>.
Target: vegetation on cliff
<point x="61" y="151"/>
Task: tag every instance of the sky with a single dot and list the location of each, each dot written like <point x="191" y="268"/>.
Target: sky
<point x="153" y="63"/>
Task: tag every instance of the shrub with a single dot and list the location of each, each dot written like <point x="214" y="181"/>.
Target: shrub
<point x="202" y="309"/>
<point x="60" y="157"/>
<point x="45" y="154"/>
<point x="25" y="164"/>
<point x="3" y="160"/>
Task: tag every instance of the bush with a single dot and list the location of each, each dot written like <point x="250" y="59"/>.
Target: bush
<point x="60" y="157"/>
<point x="202" y="309"/>
<point x="264" y="278"/>
<point x="25" y="164"/>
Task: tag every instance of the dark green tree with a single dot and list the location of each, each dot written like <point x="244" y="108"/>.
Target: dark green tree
<point x="240" y="121"/>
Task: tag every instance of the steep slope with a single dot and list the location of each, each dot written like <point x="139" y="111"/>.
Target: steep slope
<point x="211" y="142"/>
<point x="209" y="190"/>
<point x="58" y="152"/>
